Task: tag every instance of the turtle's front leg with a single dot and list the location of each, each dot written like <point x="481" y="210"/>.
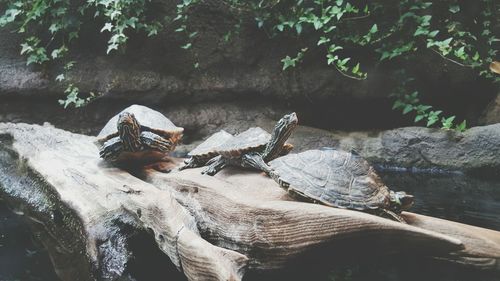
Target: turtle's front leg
<point x="155" y="142"/>
<point x="191" y="163"/>
<point x="255" y="160"/>
<point x="111" y="149"/>
<point x="214" y="165"/>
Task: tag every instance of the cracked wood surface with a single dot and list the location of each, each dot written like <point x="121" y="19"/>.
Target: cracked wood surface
<point x="211" y="228"/>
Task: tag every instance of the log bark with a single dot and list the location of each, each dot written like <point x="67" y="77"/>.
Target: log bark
<point x="211" y="228"/>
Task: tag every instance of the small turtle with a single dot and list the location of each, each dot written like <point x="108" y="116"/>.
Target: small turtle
<point x="206" y="150"/>
<point x="339" y="179"/>
<point x="254" y="147"/>
<point x="138" y="135"/>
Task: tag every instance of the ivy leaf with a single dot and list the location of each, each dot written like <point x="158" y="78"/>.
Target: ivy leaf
<point x="454" y="9"/>
<point x="288" y="62"/>
<point x="107" y="26"/>
<point x="355" y="69"/>
<point x="53" y="28"/>
<point x="374" y="28"/>
<point x="26" y="48"/>
<point x="407" y="108"/>
<point x="186" y="46"/>
<point x="60" y="77"/>
<point x="323" y="40"/>
<point x="111" y="47"/>
<point x="462" y="126"/>
<point x="298" y="28"/>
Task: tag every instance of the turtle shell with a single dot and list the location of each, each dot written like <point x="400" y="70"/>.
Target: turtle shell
<point x="334" y="178"/>
<point x="253" y="139"/>
<point x="208" y="148"/>
<point x="150" y="120"/>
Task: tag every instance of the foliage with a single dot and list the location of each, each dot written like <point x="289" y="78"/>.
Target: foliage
<point x="51" y="26"/>
<point x="383" y="31"/>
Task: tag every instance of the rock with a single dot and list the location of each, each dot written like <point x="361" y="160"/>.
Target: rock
<point x="249" y="67"/>
<point x="475" y="150"/>
<point x="86" y="213"/>
<point x="491" y="115"/>
<point x="410" y="147"/>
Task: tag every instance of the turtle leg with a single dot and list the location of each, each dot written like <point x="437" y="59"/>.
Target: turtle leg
<point x="191" y="163"/>
<point x="111" y="149"/>
<point x="255" y="160"/>
<point x="155" y="142"/>
<point x="214" y="165"/>
<point x="392" y="215"/>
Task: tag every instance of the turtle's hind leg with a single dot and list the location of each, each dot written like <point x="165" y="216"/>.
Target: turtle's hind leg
<point x="391" y="215"/>
<point x="214" y="165"/>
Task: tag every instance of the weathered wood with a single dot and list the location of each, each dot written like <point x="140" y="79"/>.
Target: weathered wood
<point x="209" y="227"/>
<point x="271" y="230"/>
<point x="94" y="197"/>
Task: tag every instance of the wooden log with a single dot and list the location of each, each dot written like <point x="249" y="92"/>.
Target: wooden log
<point x="277" y="229"/>
<point x="85" y="202"/>
<point x="209" y="227"/>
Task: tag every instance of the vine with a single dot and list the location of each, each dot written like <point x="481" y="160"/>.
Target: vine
<point x="456" y="31"/>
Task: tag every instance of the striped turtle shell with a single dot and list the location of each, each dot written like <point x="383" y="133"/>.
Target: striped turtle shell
<point x="149" y="119"/>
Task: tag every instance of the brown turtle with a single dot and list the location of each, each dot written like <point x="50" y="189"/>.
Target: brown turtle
<point x="254" y="147"/>
<point x="206" y="150"/>
<point x="138" y="135"/>
<point x="339" y="179"/>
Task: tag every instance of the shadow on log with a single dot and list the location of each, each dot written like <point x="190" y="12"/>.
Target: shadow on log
<point x="211" y="228"/>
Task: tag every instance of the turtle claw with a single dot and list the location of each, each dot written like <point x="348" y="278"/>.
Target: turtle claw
<point x="214" y="166"/>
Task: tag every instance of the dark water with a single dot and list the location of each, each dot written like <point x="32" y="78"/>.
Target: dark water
<point x="20" y="257"/>
<point x="451" y="196"/>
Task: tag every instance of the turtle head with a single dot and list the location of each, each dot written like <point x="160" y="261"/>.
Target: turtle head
<point x="129" y="131"/>
<point x="280" y="134"/>
<point x="400" y="201"/>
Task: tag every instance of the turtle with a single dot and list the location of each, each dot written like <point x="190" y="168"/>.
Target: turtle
<point x="339" y="179"/>
<point x="254" y="147"/>
<point x="138" y="135"/>
<point x="206" y="150"/>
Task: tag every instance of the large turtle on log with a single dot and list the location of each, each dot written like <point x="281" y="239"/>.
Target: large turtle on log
<point x="138" y="135"/>
<point x="339" y="179"/>
<point x="206" y="150"/>
<point x="254" y="147"/>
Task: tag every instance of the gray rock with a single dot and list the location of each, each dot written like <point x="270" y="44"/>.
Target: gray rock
<point x="491" y="115"/>
<point x="158" y="70"/>
<point x="475" y="150"/>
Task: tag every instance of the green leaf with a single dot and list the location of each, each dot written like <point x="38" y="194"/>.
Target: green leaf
<point x="60" y="77"/>
<point x="288" y="62"/>
<point x="186" y="46"/>
<point x="111" y="47"/>
<point x="462" y="126"/>
<point x="355" y="69"/>
<point x="418" y="118"/>
<point x="374" y="29"/>
<point x="431" y="121"/>
<point x="298" y="28"/>
<point x="454" y="8"/>
<point x="323" y="40"/>
<point x="407" y="108"/>
<point x="107" y="26"/>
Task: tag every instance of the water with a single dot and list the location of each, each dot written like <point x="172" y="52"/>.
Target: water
<point x="20" y="257"/>
<point x="451" y="196"/>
